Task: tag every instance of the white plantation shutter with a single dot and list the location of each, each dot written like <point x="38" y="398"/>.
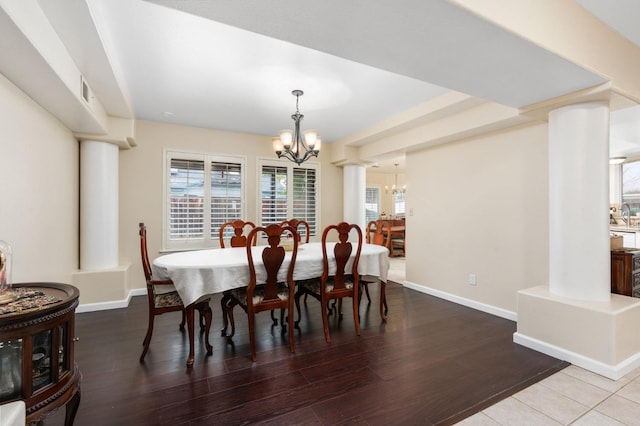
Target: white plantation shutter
<point x="288" y="191"/>
<point x="186" y="219"/>
<point x="273" y="198"/>
<point x="304" y="196"/>
<point x="203" y="192"/>
<point x="226" y="195"/>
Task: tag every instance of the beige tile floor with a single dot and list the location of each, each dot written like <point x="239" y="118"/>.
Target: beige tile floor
<point x="396" y="269"/>
<point x="573" y="396"/>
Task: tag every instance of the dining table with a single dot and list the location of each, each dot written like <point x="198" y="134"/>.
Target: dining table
<point x="198" y="274"/>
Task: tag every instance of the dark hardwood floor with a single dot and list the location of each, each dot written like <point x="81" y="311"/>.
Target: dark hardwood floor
<point x="433" y="362"/>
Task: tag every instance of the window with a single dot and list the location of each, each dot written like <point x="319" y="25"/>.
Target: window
<point x="202" y="192"/>
<point x="372" y="204"/>
<point x="288" y="191"/>
<point x="631" y="186"/>
<point x="398" y="204"/>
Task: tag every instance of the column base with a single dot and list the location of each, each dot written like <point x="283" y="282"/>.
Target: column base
<point x="102" y="288"/>
<point x="599" y="336"/>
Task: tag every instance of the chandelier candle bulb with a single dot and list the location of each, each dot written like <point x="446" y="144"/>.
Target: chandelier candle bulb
<point x="286" y="137"/>
<point x="277" y="145"/>
<point x="310" y="138"/>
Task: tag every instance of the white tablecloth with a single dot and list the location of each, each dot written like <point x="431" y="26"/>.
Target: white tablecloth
<point x="199" y="273"/>
<point x="13" y="414"/>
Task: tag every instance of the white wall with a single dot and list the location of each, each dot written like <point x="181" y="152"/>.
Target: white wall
<point x="141" y="181"/>
<point x="481" y="208"/>
<point x="39" y="189"/>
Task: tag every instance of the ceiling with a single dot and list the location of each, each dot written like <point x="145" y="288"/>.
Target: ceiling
<point x="232" y="65"/>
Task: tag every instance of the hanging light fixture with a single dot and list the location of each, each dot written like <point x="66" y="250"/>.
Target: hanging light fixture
<point x="395" y="189"/>
<point x="291" y="144"/>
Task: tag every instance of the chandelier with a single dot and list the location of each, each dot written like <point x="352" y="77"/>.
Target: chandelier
<point x="395" y="189"/>
<point x="291" y="144"/>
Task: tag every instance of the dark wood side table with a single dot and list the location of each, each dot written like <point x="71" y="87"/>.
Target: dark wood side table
<point x="625" y="271"/>
<point x="36" y="353"/>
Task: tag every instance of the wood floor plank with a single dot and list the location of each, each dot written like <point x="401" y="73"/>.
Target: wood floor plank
<point x="432" y="362"/>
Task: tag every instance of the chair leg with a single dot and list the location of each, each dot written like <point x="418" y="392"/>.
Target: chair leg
<point x="325" y="322"/>
<point x="230" y="306"/>
<point x="207" y="314"/>
<point x="147" y="338"/>
<point x="383" y="301"/>
<point x="356" y="317"/>
<point x="252" y="337"/>
<point x="223" y="309"/>
<point x="274" y="319"/>
<point x="203" y="322"/>
<point x="366" y="290"/>
<point x="292" y="344"/>
<point x="184" y="319"/>
<point x="297" y="298"/>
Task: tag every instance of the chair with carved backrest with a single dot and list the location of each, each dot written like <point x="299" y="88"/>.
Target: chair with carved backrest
<point x="162" y="298"/>
<point x="296" y="224"/>
<point x="379" y="233"/>
<point x="344" y="282"/>
<point x="239" y="227"/>
<point x="273" y="294"/>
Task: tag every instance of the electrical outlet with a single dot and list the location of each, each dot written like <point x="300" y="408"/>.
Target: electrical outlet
<point x="472" y="279"/>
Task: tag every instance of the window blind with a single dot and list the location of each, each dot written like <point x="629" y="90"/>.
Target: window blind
<point x="304" y="197"/>
<point x="273" y="194"/>
<point x="186" y="204"/>
<point x="226" y="195"/>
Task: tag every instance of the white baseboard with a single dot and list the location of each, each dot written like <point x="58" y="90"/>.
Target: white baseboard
<point x="493" y="310"/>
<point x="613" y="372"/>
<point x="113" y="304"/>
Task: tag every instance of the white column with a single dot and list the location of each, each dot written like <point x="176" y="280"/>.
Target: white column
<point x="354" y="177"/>
<point x="98" y="205"/>
<point x="579" y="254"/>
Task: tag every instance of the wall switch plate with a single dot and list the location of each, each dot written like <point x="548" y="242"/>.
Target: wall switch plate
<point x="472" y="279"/>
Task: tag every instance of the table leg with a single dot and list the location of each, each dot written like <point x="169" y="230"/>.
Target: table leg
<point x="189" y="313"/>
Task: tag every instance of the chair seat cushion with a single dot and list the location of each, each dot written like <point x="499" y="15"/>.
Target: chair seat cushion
<point x="165" y="300"/>
<point x="313" y="285"/>
<point x="240" y="294"/>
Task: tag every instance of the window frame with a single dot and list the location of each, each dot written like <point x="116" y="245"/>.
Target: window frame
<point x="290" y="166"/>
<point x="208" y="240"/>
<point x="630" y="198"/>
<point x="397" y="202"/>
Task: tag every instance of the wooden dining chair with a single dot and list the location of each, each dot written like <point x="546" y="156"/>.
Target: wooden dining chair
<point x="343" y="283"/>
<point x="296" y="224"/>
<point x="167" y="300"/>
<point x="379" y="233"/>
<point x="273" y="294"/>
<point x="397" y="246"/>
<point x="239" y="227"/>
